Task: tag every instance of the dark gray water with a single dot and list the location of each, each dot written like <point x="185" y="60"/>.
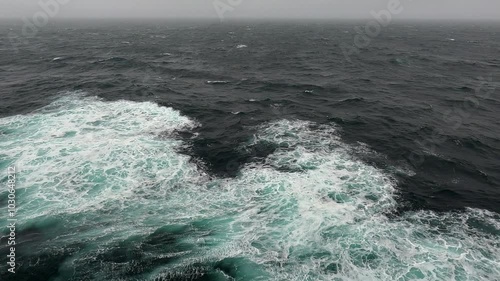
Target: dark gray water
<point x="253" y="151"/>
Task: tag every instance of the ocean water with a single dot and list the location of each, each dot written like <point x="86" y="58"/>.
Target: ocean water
<point x="252" y="151"/>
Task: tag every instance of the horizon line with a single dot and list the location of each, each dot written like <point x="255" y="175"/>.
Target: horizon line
<point x="236" y="19"/>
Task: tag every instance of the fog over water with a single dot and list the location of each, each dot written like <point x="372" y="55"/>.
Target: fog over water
<point x="240" y="9"/>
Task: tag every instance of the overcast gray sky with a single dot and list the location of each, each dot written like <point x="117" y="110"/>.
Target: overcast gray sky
<point x="462" y="9"/>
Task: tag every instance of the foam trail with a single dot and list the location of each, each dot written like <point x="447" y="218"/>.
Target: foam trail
<point x="107" y="175"/>
<point x="91" y="151"/>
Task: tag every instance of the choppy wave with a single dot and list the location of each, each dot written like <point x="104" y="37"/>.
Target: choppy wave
<point x="217" y="82"/>
<point x="111" y="197"/>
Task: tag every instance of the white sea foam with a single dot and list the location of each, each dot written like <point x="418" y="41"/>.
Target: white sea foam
<point x="92" y="151"/>
<point x="310" y="211"/>
<point x="217" y="82"/>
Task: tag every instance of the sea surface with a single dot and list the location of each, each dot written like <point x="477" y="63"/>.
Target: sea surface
<point x="251" y="151"/>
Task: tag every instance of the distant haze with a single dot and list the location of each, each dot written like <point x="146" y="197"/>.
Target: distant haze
<point x="233" y="9"/>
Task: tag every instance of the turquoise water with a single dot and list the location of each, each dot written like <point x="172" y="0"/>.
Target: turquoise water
<point x="108" y="194"/>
